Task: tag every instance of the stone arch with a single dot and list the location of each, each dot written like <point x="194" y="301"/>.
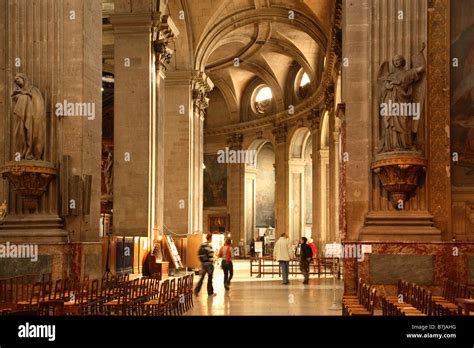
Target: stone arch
<point x="299" y="198"/>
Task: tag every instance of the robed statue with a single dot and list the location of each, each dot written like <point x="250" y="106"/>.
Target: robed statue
<point x="401" y="89"/>
<point x="30" y="114"/>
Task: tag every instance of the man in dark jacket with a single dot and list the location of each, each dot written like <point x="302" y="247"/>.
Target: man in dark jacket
<point x="206" y="256"/>
<point x="305" y="257"/>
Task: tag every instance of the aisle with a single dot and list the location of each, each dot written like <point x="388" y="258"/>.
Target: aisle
<point x="266" y="296"/>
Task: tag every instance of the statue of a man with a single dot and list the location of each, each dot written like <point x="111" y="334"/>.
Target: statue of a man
<point x="400" y="92"/>
<point x="30" y="114"/>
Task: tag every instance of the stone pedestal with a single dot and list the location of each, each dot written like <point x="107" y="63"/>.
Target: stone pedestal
<point x="29" y="179"/>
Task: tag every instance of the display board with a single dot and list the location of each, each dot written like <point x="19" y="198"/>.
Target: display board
<point x="173" y="252"/>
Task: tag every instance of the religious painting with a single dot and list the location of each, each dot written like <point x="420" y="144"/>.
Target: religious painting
<point x="215" y="182"/>
<point x="265" y="188"/>
<point x="462" y="92"/>
<point x="218" y="223"/>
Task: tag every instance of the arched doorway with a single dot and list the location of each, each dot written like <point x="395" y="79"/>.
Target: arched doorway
<point x="259" y="195"/>
<point x="300" y="182"/>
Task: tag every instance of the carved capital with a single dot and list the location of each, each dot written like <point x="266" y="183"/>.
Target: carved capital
<point x="202" y="85"/>
<point x="314" y="119"/>
<point x="235" y="141"/>
<point x="163" y="34"/>
<point x="329" y="97"/>
<point x="280" y="132"/>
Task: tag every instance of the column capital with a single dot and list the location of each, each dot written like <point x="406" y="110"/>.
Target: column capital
<point x="329" y="97"/>
<point x="315" y="119"/>
<point x="235" y="140"/>
<point x="202" y="85"/>
<point x="280" y="132"/>
<point x="164" y="32"/>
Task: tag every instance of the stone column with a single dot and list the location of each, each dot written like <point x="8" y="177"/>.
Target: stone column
<point x="282" y="187"/>
<point x="202" y="85"/>
<point x="236" y="193"/>
<point x="296" y="200"/>
<point x="355" y="77"/>
<point x="141" y="34"/>
<point x="186" y="104"/>
<point x="333" y="180"/>
<point x="57" y="45"/>
<point x="315" y="121"/>
<point x="163" y="33"/>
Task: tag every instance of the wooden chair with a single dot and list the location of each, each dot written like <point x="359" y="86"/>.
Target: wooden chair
<point x="35" y="296"/>
<point x="367" y="309"/>
<point x="157" y="306"/>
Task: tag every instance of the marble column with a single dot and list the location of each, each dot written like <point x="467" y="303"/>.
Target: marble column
<point x="282" y="187"/>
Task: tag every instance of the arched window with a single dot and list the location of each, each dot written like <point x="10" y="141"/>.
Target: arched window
<point x="305" y="80"/>
<point x="263" y="97"/>
<point x="303" y="84"/>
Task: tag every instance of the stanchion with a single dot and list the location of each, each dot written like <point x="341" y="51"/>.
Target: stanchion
<point x="334" y="306"/>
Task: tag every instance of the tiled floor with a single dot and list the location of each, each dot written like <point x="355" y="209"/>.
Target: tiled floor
<point x="267" y="296"/>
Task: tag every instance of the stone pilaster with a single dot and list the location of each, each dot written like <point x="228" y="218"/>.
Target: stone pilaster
<point x="141" y="36"/>
<point x="282" y="187"/>
<point x="186" y="104"/>
<point x="314" y="119"/>
<point x="236" y="193"/>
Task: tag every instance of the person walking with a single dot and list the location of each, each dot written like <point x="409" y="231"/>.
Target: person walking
<point x="252" y="248"/>
<point x="313" y="247"/>
<point x="306" y="255"/>
<point x="206" y="256"/>
<point x="226" y="254"/>
<point x="281" y="253"/>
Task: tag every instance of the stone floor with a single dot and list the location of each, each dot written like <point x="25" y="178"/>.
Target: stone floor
<point x="267" y="296"/>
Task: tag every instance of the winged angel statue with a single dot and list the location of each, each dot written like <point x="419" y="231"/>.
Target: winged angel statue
<point x="401" y="98"/>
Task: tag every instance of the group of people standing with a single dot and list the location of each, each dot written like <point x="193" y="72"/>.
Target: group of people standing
<point x="206" y="256"/>
<point x="282" y="253"/>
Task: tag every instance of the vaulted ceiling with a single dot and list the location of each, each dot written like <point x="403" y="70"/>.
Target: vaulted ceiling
<point x="237" y="41"/>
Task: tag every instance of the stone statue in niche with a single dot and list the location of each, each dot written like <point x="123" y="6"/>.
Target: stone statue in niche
<point x="30" y="114"/>
<point x="109" y="177"/>
<point x="401" y="98"/>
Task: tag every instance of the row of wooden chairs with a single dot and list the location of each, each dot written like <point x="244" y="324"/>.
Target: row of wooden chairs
<point x="361" y="304"/>
<point x="112" y="295"/>
<point x="411" y="300"/>
<point x="174" y="297"/>
<point x="446" y="303"/>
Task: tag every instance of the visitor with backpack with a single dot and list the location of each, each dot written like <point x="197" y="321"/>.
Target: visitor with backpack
<point x="206" y="256"/>
<point x="226" y="254"/>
